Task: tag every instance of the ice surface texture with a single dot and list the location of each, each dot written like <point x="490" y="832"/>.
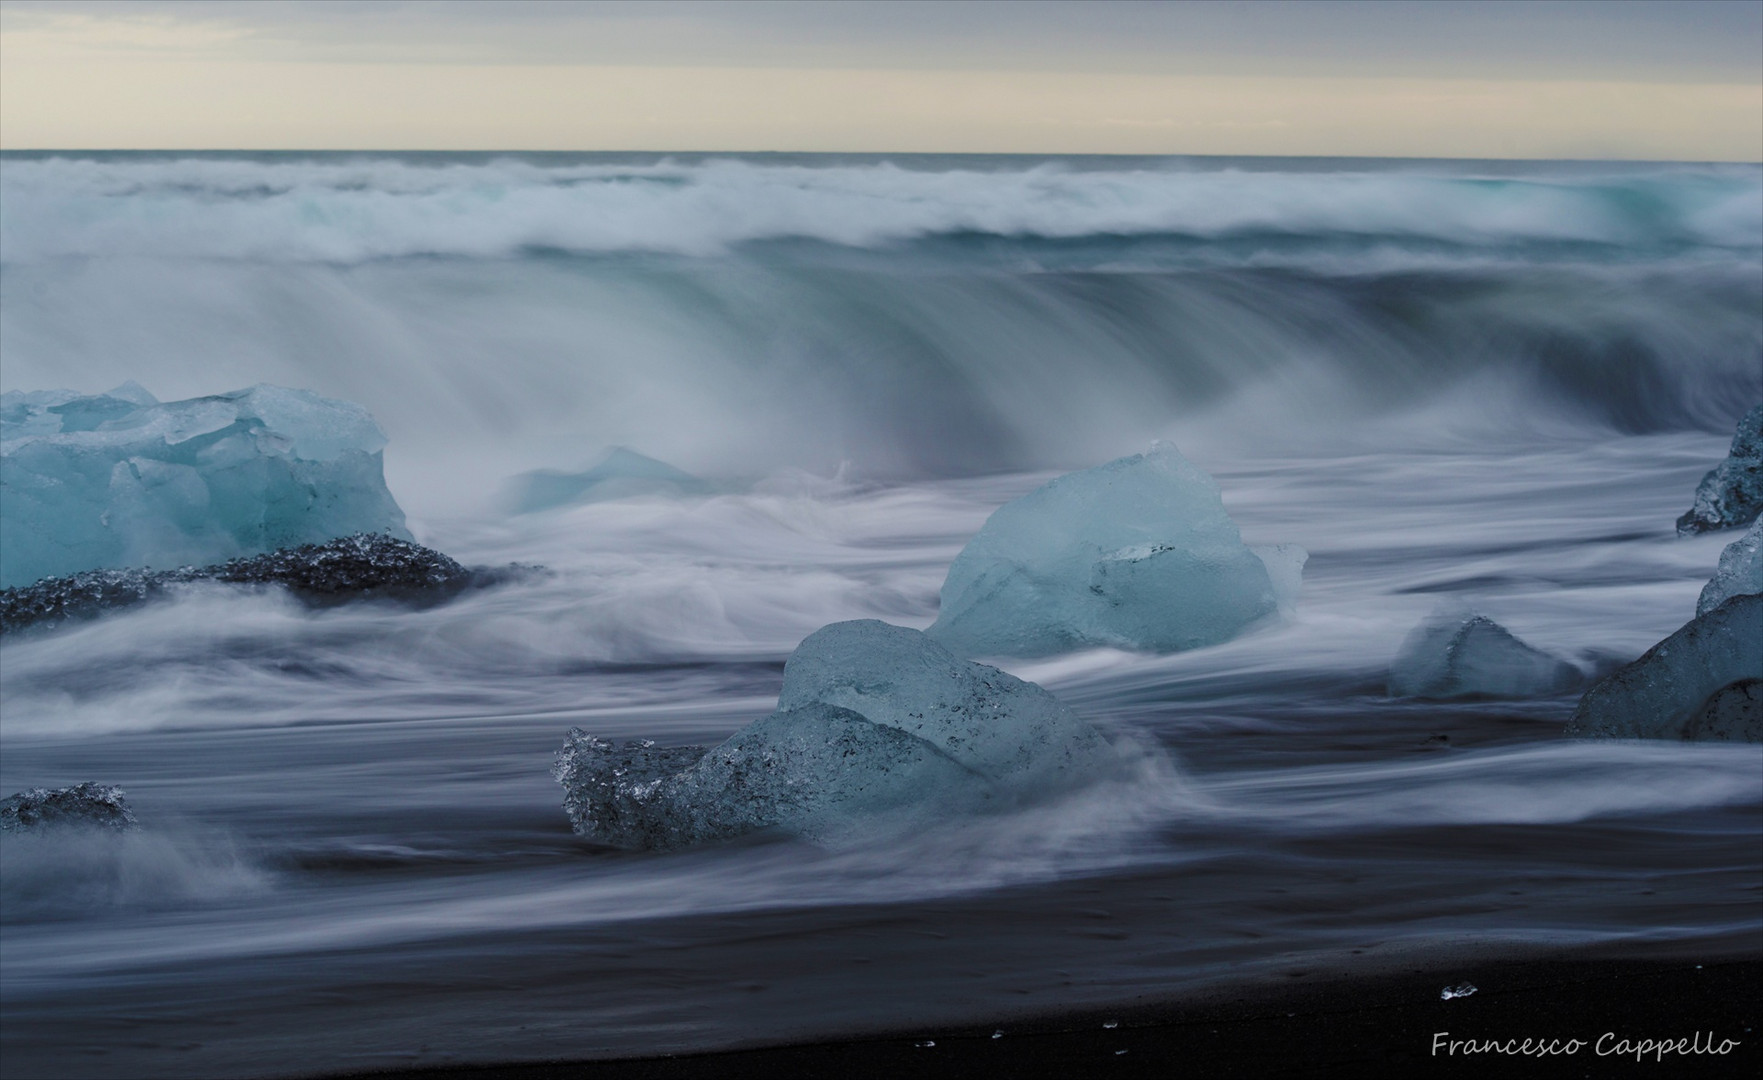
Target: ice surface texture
<point x="622" y="474"/>
<point x="119" y="480"/>
<point x="1732" y="492"/>
<point x="1470" y="656"/>
<point x="362" y="567"/>
<point x="1740" y="572"/>
<point x="872" y="720"/>
<point x="1135" y="554"/>
<point x="1703" y="682"/>
<point x="82" y="804"/>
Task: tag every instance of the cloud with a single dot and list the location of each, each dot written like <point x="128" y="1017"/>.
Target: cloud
<point x="1344" y="78"/>
<point x="1637" y="40"/>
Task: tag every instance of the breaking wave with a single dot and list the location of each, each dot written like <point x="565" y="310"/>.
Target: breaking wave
<point x="347" y="209"/>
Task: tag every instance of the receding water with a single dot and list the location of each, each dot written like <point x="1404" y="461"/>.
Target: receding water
<point x="1453" y="384"/>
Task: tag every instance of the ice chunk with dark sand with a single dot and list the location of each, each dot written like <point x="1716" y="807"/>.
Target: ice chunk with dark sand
<point x="874" y="721"/>
<point x="623" y="473"/>
<point x="1471" y="656"/>
<point x="1702" y="682"/>
<point x="818" y="772"/>
<point x="1740" y="572"/>
<point x="1732" y="493"/>
<point x="89" y="805"/>
<point x="364" y="567"/>
<point x="119" y="480"/>
<point x="1135" y="554"/>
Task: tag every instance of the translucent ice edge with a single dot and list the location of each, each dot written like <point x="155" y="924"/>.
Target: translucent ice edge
<point x="1465" y="655"/>
<point x="119" y="480"/>
<point x="877" y="726"/>
<point x="1138" y="554"/>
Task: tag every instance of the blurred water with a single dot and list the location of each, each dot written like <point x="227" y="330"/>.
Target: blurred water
<point x="1451" y="388"/>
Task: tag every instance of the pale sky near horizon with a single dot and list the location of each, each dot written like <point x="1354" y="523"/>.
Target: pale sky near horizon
<point x="1577" y="79"/>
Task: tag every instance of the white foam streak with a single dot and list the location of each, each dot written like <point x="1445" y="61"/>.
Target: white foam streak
<point x="1548" y="784"/>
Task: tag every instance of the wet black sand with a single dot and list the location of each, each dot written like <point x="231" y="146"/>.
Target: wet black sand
<point x="1385" y="1025"/>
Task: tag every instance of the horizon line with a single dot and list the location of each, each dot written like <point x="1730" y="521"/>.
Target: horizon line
<point x="6" y="151"/>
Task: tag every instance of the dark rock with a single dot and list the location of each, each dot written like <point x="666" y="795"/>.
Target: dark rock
<point x="604" y="785"/>
<point x="1699" y="683"/>
<point x="367" y="566"/>
<point x="82" y="804"/>
<point x="1734" y="713"/>
<point x="1732" y="493"/>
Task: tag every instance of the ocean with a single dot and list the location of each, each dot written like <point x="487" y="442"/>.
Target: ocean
<point x="1458" y="385"/>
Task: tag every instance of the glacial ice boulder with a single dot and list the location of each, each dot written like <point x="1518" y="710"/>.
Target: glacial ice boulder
<point x="1472" y="656"/>
<point x="821" y="773"/>
<point x="362" y="567"/>
<point x="874" y="722"/>
<point x="623" y="473"/>
<point x="90" y="805"/>
<point x="1732" y="493"/>
<point x="120" y="480"/>
<point x="1135" y="554"/>
<point x="1703" y="682"/>
<point x="1740" y="572"/>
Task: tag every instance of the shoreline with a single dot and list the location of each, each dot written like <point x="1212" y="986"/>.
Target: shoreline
<point x="1366" y="1024"/>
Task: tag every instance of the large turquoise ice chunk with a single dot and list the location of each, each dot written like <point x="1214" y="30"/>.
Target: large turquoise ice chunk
<point x="1001" y="727"/>
<point x="120" y="480"/>
<point x="877" y="726"/>
<point x="1135" y="554"/>
<point x="1703" y="682"/>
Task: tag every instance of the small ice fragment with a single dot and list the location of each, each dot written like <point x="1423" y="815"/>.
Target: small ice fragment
<point x="999" y="1034"/>
<point x="621" y="474"/>
<point x="1469" y="656"/>
<point x="83" y="804"/>
<point x="1740" y="572"/>
<point x="1117" y="1053"/>
<point x="1732" y="492"/>
<point x="1111" y="1025"/>
<point x="1285" y="570"/>
<point x="1461" y="990"/>
<point x="1135" y="554"/>
<point x="927" y="1042"/>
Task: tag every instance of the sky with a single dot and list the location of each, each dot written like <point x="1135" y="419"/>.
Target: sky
<point x="1633" y="79"/>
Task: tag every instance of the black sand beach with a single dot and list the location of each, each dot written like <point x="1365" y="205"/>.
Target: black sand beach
<point x="1620" y="1011"/>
